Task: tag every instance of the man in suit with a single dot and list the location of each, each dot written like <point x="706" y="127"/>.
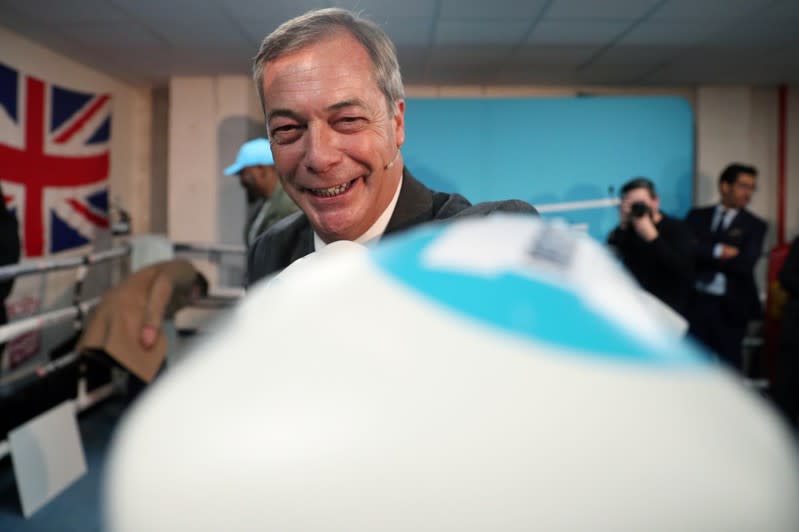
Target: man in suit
<point x="729" y="241"/>
<point x="127" y="324"/>
<point x="333" y="99"/>
<point x="267" y="200"/>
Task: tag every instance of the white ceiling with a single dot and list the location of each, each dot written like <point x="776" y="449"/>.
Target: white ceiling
<point x="608" y="42"/>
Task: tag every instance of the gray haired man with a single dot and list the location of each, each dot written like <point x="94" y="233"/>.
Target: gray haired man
<point x="333" y="100"/>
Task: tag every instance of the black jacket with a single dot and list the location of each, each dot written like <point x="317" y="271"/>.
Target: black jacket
<point x="663" y="267"/>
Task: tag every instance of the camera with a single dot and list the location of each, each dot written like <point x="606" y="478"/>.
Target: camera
<point x="639" y="209"/>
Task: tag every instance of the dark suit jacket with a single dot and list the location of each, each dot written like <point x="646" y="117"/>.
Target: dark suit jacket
<point x="746" y="232"/>
<point x="292" y="238"/>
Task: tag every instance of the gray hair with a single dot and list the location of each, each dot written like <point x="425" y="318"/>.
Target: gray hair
<point x="319" y="24"/>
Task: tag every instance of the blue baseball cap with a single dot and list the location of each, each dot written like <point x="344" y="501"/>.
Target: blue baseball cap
<point x="252" y="153"/>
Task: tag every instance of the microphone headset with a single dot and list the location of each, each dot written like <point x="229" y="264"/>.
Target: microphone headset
<point x="389" y="165"/>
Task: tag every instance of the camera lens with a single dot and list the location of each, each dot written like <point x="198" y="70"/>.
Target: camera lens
<point x="639" y="209"/>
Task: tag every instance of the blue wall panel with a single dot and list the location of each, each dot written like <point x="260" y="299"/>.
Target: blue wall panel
<point x="554" y="150"/>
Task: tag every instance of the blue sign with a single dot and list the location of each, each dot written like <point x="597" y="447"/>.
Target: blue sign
<point x="566" y="156"/>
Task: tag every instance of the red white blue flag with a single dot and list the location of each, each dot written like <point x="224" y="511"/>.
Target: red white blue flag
<point x="54" y="161"/>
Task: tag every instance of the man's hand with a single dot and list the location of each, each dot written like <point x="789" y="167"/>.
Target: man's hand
<point x="728" y="252"/>
<point x="149" y="335"/>
<point x="645" y="227"/>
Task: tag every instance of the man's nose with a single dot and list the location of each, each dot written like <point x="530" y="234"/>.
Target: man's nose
<point x="321" y="150"/>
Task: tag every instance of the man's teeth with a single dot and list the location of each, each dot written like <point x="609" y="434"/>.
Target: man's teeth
<point x="332" y="191"/>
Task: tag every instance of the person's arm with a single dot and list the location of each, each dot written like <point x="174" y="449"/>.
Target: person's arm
<point x="789" y="274"/>
<point x="157" y="301"/>
<point x="674" y="251"/>
<point x="749" y="252"/>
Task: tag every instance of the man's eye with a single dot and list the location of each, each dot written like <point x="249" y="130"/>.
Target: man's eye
<point x="286" y="134"/>
<point x="350" y="123"/>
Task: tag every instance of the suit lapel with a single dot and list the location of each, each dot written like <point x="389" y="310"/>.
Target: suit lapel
<point x="709" y="215"/>
<point x="304" y="243"/>
<point x="737" y="226"/>
<point x="704" y="221"/>
<point x="414" y="205"/>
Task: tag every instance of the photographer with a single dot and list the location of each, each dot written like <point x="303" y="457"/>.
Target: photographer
<point x="655" y="248"/>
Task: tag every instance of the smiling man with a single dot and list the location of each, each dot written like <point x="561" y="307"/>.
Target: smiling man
<point x="333" y="100"/>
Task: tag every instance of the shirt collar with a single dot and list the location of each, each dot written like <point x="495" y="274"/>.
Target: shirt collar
<point x="378" y="228"/>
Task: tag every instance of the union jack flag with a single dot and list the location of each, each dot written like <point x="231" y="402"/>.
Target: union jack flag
<point x="54" y="161"/>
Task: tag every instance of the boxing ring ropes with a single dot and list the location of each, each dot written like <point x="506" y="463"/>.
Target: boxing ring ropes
<point x="217" y="298"/>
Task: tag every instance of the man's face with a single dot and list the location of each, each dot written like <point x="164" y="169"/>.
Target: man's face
<point x="737" y="195"/>
<point x="250" y="178"/>
<point x="333" y="135"/>
<point x="634" y="196"/>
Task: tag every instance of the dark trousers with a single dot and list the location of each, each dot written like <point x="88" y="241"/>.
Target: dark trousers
<point x="104" y="361"/>
<point x="711" y="326"/>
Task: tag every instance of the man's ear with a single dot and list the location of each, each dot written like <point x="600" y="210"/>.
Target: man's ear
<point x="399" y="123"/>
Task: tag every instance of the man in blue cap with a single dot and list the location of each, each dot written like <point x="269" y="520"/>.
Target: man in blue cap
<point x="256" y="171"/>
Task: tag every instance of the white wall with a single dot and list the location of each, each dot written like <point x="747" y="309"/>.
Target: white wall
<point x="192" y="160"/>
<point x="209" y="119"/>
<point x="130" y="119"/>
